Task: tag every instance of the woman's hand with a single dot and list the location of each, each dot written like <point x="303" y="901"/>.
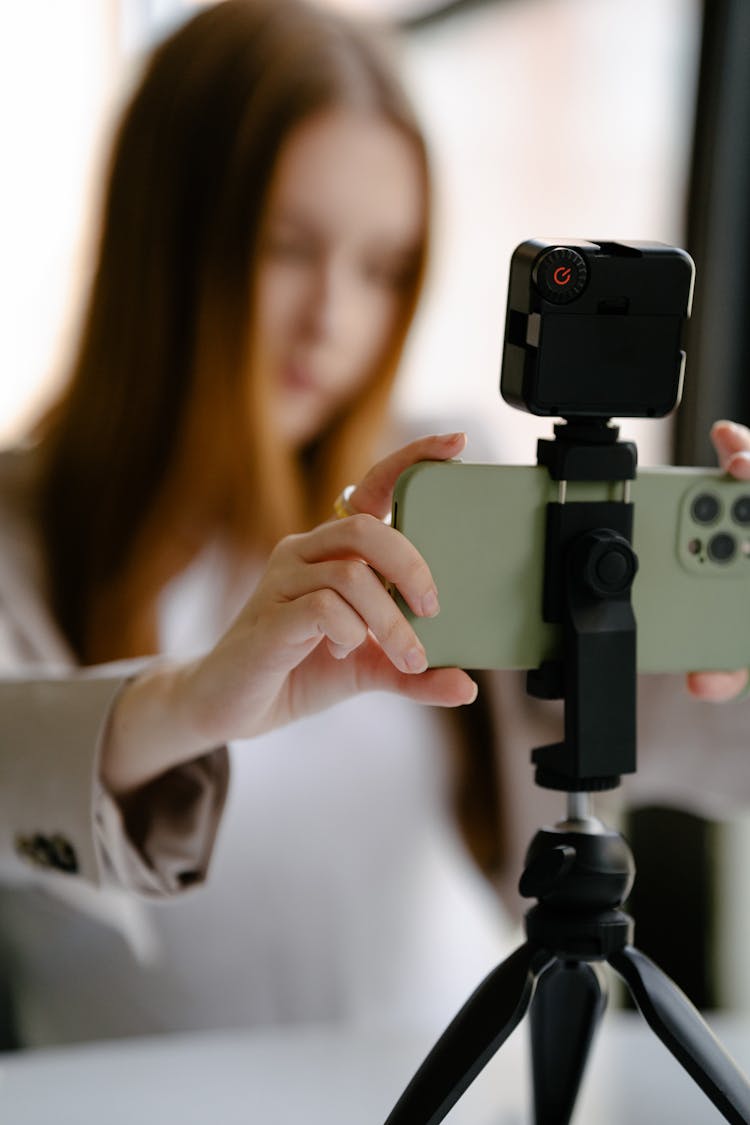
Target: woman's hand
<point x="319" y="628"/>
<point x="732" y="444"/>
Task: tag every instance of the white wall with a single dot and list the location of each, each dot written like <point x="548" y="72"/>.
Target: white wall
<point x="56" y="63"/>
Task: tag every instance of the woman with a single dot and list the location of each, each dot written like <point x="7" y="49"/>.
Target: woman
<point x="262" y="247"/>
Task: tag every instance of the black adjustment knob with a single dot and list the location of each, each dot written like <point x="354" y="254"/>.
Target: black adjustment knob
<point x="560" y="275"/>
<point x="547" y="870"/>
<point x="612" y="569"/>
<point x="607" y="561"/>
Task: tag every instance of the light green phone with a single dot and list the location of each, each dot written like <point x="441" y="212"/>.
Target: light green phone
<point x="481" y="529"/>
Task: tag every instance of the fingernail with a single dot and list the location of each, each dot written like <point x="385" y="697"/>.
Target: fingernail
<point x="416" y="659"/>
<point x="430" y="604"/>
<point x="452" y="437"/>
<point x="476" y="691"/>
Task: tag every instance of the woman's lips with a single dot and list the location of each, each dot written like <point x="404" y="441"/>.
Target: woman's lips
<point x="297" y="377"/>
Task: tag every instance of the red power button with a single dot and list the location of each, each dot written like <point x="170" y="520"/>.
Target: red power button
<point x="560" y="274"/>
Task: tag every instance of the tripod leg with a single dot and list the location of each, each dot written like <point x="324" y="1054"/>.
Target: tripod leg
<point x="471" y="1039"/>
<point x="684" y="1032"/>
<point x="568" y="1004"/>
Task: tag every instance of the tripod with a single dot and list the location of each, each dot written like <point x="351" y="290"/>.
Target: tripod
<point x="579" y="872"/>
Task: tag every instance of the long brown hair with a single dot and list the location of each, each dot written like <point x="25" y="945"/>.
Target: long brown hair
<point x="153" y="446"/>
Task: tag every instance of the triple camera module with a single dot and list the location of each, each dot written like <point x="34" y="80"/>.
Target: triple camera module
<point x="720" y="526"/>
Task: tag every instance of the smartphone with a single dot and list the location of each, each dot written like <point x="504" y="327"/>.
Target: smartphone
<point x="481" y="529"/>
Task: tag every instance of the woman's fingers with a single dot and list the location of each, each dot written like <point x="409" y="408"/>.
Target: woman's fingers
<point x="365" y="539"/>
<point x="349" y="547"/>
<point x="373" y="494"/>
<point x="359" y="588"/>
<point x="717" y="687"/>
<point x="298" y="625"/>
<point x="732" y="444"/>
<point x="440" y="687"/>
<point x="320" y="627"/>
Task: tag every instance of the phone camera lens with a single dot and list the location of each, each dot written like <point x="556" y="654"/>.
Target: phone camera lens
<point x="722" y="547"/>
<point x="741" y="511"/>
<point x="560" y="275"/>
<point x="705" y="508"/>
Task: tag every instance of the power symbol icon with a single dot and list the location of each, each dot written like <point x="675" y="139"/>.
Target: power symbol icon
<point x="560" y="275"/>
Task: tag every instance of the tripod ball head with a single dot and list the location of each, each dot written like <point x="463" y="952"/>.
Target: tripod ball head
<point x="582" y="869"/>
<point x="580" y="880"/>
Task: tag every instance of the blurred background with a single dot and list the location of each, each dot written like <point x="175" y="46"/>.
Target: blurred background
<point x="609" y="119"/>
<point x="545" y="117"/>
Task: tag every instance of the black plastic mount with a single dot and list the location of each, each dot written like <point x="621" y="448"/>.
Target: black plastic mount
<point x="587" y="451"/>
<point x="589" y="569"/>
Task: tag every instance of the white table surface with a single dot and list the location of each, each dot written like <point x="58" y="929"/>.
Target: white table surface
<point x="335" y="1076"/>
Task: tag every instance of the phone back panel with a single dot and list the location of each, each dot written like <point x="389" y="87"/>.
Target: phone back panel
<point x="481" y="529"/>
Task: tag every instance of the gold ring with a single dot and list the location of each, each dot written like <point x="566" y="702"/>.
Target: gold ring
<point x="341" y="506"/>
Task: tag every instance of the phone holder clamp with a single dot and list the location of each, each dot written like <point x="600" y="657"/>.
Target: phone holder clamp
<point x="589" y="570"/>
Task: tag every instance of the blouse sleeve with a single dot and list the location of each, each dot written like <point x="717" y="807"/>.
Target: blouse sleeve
<point x="58" y="822"/>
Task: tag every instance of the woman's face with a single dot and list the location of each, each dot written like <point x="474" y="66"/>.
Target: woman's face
<point x="341" y="238"/>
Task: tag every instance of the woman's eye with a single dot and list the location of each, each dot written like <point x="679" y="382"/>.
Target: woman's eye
<point x="389" y="275"/>
<point x="289" y="248"/>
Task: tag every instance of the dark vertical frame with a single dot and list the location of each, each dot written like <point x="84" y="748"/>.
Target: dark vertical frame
<point x="717" y="383"/>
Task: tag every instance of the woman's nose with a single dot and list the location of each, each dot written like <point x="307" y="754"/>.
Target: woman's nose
<point x="327" y="302"/>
